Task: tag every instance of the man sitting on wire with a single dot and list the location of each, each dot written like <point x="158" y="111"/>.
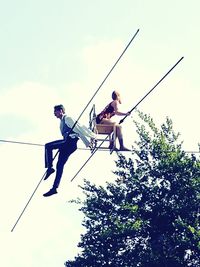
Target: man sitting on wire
<point x="71" y="133"/>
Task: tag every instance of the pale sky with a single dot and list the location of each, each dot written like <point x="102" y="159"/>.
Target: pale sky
<point x="60" y="51"/>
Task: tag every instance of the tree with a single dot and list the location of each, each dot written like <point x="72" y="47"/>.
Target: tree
<point x="150" y="216"/>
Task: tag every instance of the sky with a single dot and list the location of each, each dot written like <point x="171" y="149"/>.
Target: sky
<point x="59" y="52"/>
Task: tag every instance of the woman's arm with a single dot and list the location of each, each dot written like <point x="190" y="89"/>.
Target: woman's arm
<point x="115" y="105"/>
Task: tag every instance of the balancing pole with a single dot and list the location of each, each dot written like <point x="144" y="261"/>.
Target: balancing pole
<point x="126" y="116"/>
<point x="77" y="122"/>
<point x="152" y="88"/>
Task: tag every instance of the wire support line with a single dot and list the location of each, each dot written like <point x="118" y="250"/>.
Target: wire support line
<point x="95" y="150"/>
<point x="106" y="77"/>
<point x="81" y="148"/>
<point x="27" y="203"/>
<point x="82" y="114"/>
<point x="20" y="143"/>
<point x="164" y="76"/>
<point x="121" y="121"/>
<point x="192" y="152"/>
<point x="25" y="207"/>
<point x="35" y="144"/>
<point x="104" y="80"/>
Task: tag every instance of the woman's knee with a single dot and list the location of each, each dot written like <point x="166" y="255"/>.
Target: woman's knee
<point x="108" y="122"/>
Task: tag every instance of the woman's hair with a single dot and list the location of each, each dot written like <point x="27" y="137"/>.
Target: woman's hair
<point x="59" y="107"/>
<point x="116" y="95"/>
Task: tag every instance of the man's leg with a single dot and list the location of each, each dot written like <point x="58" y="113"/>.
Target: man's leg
<point x="49" y="147"/>
<point x="64" y="152"/>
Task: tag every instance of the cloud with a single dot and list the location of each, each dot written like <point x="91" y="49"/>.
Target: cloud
<point x="49" y="230"/>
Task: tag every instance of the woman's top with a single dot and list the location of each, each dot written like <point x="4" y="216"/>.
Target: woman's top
<point x="107" y="113"/>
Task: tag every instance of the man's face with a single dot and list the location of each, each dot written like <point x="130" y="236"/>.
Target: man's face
<point x="58" y="113"/>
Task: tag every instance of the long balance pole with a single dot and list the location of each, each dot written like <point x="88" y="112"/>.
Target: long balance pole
<point x="77" y="121"/>
<point x="126" y="116"/>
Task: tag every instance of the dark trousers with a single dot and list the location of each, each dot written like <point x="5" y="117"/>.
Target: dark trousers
<point x="65" y="149"/>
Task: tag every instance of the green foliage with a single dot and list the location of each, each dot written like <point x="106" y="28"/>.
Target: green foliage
<point x="150" y="216"/>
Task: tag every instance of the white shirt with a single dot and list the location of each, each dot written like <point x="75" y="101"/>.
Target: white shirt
<point x="78" y="131"/>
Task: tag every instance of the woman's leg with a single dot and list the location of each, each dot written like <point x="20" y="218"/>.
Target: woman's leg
<point x="117" y="127"/>
<point x="119" y="134"/>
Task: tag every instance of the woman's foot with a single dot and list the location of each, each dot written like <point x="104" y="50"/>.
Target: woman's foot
<point x="124" y="149"/>
<point x="112" y="147"/>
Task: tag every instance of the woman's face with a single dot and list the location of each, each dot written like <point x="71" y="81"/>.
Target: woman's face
<point x="118" y="98"/>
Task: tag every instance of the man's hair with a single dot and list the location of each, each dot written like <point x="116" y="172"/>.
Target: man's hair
<point x="59" y="107"/>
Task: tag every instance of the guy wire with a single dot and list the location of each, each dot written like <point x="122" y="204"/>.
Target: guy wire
<point x="78" y="120"/>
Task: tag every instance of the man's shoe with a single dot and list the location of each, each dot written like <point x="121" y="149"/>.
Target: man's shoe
<point x="51" y="192"/>
<point x="48" y="173"/>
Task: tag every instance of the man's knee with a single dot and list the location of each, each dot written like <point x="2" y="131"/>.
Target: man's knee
<point x="47" y="145"/>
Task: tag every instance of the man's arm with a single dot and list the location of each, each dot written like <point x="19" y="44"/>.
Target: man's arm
<point x="82" y="131"/>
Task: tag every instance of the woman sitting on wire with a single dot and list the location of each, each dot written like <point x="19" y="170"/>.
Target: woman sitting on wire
<point x="105" y="116"/>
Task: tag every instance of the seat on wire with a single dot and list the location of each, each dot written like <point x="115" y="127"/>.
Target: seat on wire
<point x="102" y="130"/>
